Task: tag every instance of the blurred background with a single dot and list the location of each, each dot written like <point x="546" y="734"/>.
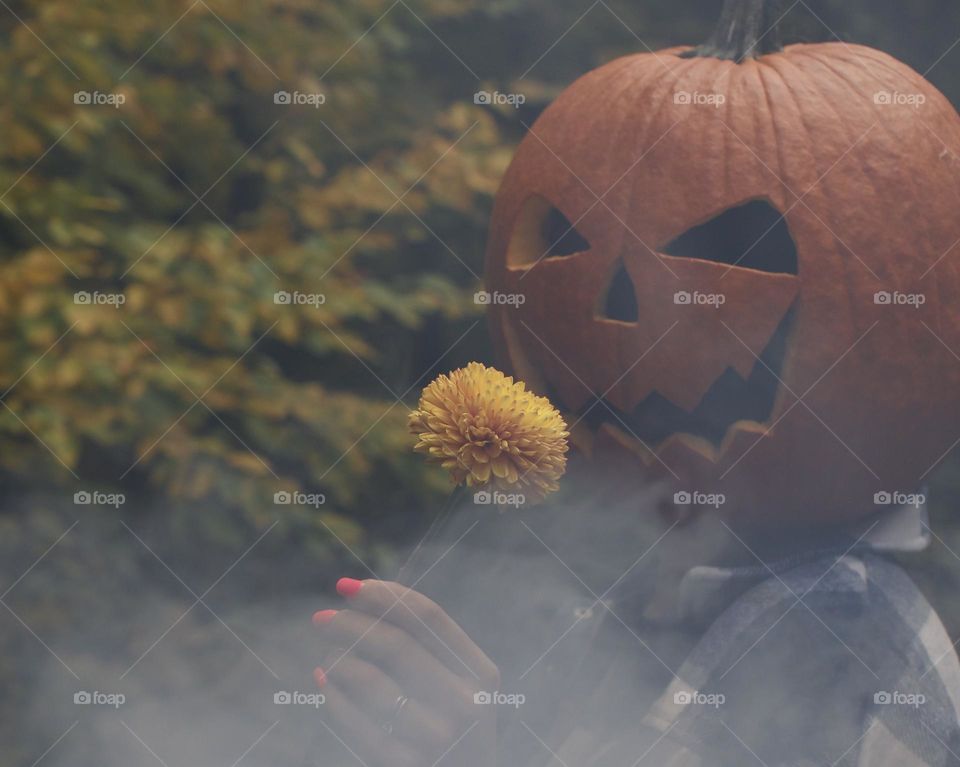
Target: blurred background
<point x="193" y="160"/>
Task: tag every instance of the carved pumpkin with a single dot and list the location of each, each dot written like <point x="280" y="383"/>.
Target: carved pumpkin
<point x="700" y="237"/>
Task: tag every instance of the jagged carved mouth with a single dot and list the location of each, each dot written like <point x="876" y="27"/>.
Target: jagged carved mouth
<point x="730" y="399"/>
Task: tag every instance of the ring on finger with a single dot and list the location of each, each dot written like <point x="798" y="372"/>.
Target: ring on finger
<point x="398" y="706"/>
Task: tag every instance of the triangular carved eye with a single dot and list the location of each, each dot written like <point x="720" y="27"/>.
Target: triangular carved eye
<point x="753" y="236"/>
<point x="542" y="231"/>
<point x="562" y="236"/>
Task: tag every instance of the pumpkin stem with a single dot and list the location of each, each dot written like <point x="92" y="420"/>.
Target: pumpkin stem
<point x="746" y="29"/>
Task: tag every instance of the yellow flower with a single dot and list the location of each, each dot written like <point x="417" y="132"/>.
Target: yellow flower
<point x="488" y="431"/>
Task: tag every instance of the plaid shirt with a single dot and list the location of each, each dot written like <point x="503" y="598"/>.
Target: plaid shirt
<point x="830" y="658"/>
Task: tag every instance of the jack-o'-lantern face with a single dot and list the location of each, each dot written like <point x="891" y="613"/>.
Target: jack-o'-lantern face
<point x="698" y="247"/>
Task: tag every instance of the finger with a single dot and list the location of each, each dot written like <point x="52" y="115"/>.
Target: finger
<point x="363" y="737"/>
<point x="423" y="619"/>
<point x="398" y="655"/>
<point x="372" y="691"/>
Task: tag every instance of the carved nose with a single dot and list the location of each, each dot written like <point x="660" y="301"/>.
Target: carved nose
<point x="619" y="301"/>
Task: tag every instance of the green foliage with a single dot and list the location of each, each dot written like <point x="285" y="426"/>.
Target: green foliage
<point x="377" y="200"/>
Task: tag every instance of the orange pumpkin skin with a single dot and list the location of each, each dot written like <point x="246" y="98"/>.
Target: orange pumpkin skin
<point x="868" y="398"/>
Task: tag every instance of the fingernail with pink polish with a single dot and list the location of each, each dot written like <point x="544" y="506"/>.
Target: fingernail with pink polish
<point x="323" y="616"/>
<point x="320" y="677"/>
<point x="348" y="587"/>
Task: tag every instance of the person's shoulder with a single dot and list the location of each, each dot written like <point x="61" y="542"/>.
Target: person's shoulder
<point x="843" y="592"/>
<point x="855" y="617"/>
<point x="824" y="653"/>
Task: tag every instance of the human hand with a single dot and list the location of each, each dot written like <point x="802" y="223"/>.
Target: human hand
<point x="400" y="678"/>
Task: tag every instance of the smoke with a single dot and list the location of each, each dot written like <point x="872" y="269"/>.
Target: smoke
<point x="574" y="600"/>
<point x="150" y="675"/>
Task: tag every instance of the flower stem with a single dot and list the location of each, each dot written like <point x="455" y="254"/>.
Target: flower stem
<point x="409" y="568"/>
